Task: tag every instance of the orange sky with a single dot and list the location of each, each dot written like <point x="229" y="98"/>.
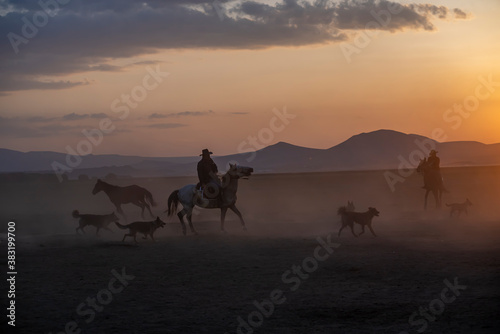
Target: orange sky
<point x="405" y="80"/>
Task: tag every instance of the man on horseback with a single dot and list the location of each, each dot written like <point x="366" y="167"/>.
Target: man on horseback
<point x="433" y="165"/>
<point x="433" y="160"/>
<point x="207" y="174"/>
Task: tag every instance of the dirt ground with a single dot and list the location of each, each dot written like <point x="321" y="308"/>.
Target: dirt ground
<point x="289" y="273"/>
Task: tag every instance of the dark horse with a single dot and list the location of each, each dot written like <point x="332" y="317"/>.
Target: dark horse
<point x="123" y="195"/>
<point x="432" y="182"/>
<point x="189" y="196"/>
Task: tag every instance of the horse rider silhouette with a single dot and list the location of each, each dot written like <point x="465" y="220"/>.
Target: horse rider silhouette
<point x="433" y="163"/>
<point x="207" y="174"/>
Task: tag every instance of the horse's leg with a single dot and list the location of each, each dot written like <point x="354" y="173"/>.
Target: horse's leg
<point x="362" y="229"/>
<point x="223" y="211"/>
<point x="425" y="198"/>
<point x="149" y="209"/>
<point x="435" y="192"/>
<point x="142" y="212"/>
<point x="189" y="215"/>
<point x="181" y="214"/>
<point x="238" y="213"/>
<point x="120" y="211"/>
<point x="141" y="205"/>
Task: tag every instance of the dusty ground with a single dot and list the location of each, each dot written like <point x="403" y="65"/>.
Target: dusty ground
<point x="224" y="283"/>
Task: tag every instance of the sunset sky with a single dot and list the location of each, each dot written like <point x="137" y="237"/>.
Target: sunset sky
<point x="235" y="68"/>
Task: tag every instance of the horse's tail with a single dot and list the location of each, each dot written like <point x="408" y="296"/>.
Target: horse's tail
<point x="123" y="227"/>
<point x="75" y="214"/>
<point x="173" y="202"/>
<point x="149" y="197"/>
<point x="342" y="210"/>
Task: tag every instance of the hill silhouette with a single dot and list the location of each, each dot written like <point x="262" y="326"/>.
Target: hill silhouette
<point x="381" y="149"/>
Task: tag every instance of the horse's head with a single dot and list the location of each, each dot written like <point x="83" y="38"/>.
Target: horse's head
<point x="236" y="172"/>
<point x="97" y="187"/>
<point x="422" y="165"/>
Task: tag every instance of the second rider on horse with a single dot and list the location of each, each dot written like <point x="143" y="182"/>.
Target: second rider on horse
<point x="433" y="163"/>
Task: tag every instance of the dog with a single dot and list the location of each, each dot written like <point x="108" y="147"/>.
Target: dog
<point x="99" y="221"/>
<point x="362" y="218"/>
<point x="146" y="228"/>
<point x="459" y="207"/>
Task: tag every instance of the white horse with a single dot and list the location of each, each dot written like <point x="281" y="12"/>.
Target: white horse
<point x="189" y="196"/>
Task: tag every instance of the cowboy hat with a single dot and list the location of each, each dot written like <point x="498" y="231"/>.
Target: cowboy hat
<point x="205" y="151"/>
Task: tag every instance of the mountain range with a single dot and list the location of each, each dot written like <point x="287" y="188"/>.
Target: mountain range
<point x="381" y="149"/>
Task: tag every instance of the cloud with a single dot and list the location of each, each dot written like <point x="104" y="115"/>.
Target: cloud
<point x="390" y="16"/>
<point x="27" y="128"/>
<point x="460" y="14"/>
<point x="75" y="117"/>
<point x="240" y="113"/>
<point x="8" y="83"/>
<point x="164" y="125"/>
<point x="38" y="119"/>
<point x="42" y="126"/>
<point x="87" y="36"/>
<point x="182" y="113"/>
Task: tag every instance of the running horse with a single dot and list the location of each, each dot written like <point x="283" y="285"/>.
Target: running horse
<point x="123" y="195"/>
<point x="433" y="182"/>
<point x="190" y="197"/>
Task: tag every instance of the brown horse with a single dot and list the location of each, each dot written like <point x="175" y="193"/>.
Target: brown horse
<point x="123" y="195"/>
<point x="433" y="182"/>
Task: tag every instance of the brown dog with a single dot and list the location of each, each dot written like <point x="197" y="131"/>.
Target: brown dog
<point x="99" y="221"/>
<point x="146" y="228"/>
<point x="362" y="218"/>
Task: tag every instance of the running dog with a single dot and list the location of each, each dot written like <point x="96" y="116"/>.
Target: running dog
<point x="362" y="218"/>
<point x="146" y="228"/>
<point x="99" y="221"/>
<point x="459" y="207"/>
